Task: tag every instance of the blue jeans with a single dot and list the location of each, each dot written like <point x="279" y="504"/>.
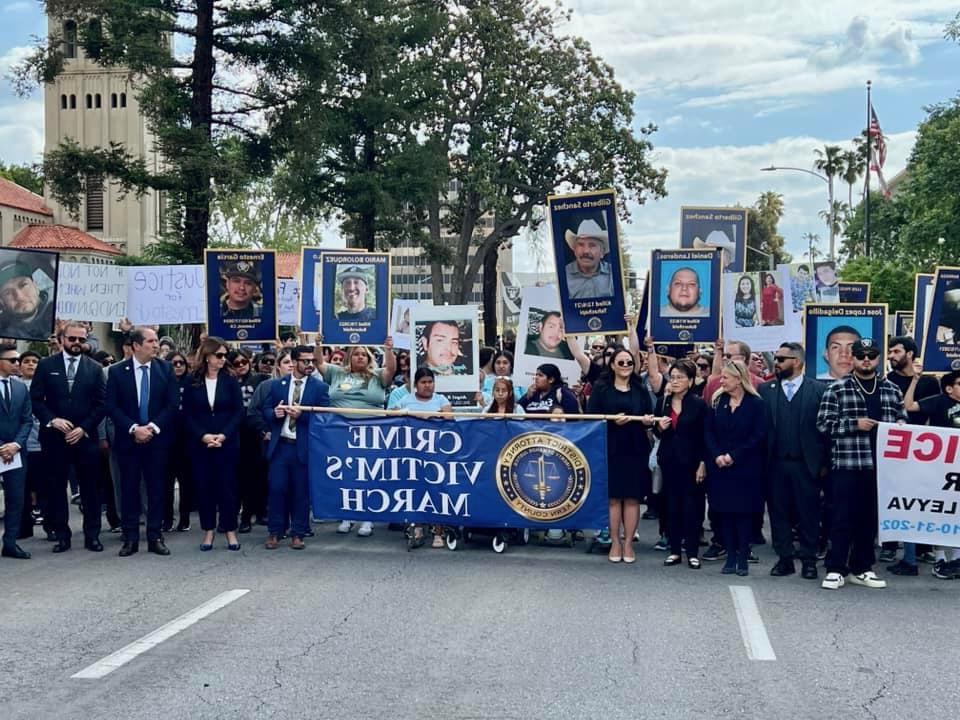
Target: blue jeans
<point x="288" y="495"/>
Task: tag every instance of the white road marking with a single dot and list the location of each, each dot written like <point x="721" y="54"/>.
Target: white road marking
<point x="121" y="657"/>
<point x="751" y="624"/>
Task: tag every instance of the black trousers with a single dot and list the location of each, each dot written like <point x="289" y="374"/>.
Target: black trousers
<point x="13" y="483"/>
<point x="107" y="495"/>
<point x="685" y="503"/>
<point x="215" y="477"/>
<point x="853" y="525"/>
<point x="83" y="457"/>
<point x="252" y="475"/>
<point x="148" y="462"/>
<point x="736" y="528"/>
<point x="794" y="500"/>
<point x="179" y="471"/>
<point x="35" y="486"/>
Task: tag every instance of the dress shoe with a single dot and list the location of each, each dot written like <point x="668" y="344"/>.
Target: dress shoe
<point x="62" y="546"/>
<point x="16" y="552"/>
<point x="297" y="543"/>
<point x="93" y="545"/>
<point x="51" y="536"/>
<point x="157" y="547"/>
<point x="783" y="568"/>
<point x="809" y="571"/>
<point x="128" y="549"/>
<point x="272" y="543"/>
<point x="245" y="527"/>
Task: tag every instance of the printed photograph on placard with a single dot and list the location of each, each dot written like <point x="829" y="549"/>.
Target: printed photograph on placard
<point x="922" y="285"/>
<point x="241" y="294"/>
<point x="685" y="296"/>
<point x="356" y="292"/>
<point x="831" y="329"/>
<point x="854" y="292"/>
<point x="802" y="285"/>
<point x="586" y="248"/>
<point x="826" y="282"/>
<point x="903" y="325"/>
<point x="541" y="337"/>
<point x="401" y="329"/>
<point x="941" y="340"/>
<point x="446" y="341"/>
<point x="761" y="318"/>
<point x="723" y="229"/>
<point x="28" y="293"/>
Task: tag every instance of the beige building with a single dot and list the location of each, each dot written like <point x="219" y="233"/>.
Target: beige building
<point x="19" y="208"/>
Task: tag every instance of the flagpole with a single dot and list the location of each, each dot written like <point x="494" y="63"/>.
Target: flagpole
<point x="866" y="195"/>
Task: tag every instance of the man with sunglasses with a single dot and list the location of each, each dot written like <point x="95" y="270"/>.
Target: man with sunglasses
<point x="797" y="458"/>
<point x="16" y="421"/>
<point x="850" y="411"/>
<point x="67" y="392"/>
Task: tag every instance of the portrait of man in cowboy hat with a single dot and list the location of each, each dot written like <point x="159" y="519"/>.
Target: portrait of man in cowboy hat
<point x="721" y="241"/>
<point x="588" y="274"/>
<point x="242" y="298"/>
<point x="353" y="283"/>
<point x="26" y="308"/>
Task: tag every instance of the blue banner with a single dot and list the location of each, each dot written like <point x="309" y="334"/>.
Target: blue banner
<point x="940" y="347"/>
<point x="685" y="296"/>
<point x="470" y="473"/>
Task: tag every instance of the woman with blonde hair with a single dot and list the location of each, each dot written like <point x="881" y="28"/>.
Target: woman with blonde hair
<point x="735" y="434"/>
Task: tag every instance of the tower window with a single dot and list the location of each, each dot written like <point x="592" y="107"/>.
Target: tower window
<point x="94" y="203"/>
<point x="123" y="100"/>
<point x="70" y="39"/>
<point x="97" y="103"/>
<point x="73" y="102"/>
<point x="113" y="100"/>
<point x="63" y="102"/>
<point x="89" y="101"/>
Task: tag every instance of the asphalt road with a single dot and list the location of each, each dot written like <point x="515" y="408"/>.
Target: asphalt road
<point x="359" y="627"/>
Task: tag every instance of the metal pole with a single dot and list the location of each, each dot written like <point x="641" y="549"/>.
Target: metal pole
<point x="866" y="196"/>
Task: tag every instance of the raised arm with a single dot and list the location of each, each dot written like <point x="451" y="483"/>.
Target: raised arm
<point x="581" y="357"/>
<point x="389" y="363"/>
<point x="654" y="376"/>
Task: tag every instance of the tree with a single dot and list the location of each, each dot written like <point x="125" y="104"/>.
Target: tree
<point x="27" y="176"/>
<point x="890" y="282"/>
<point x="762" y="235"/>
<point x="185" y="58"/>
<point x="813" y="249"/>
<point x="830" y="162"/>
<point x="887" y="219"/>
<point x="854" y="165"/>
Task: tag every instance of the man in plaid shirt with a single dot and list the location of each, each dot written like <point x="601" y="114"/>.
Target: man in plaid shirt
<point x="849" y="413"/>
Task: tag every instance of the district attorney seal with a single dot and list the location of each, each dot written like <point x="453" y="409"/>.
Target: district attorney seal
<point x="543" y="477"/>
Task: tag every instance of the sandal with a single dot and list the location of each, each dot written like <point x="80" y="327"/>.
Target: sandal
<point x="693" y="563"/>
<point x="672" y="560"/>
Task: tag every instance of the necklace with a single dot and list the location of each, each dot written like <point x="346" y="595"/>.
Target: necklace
<point x="876" y="382"/>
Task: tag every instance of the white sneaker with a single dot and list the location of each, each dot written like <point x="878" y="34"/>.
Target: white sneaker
<point x="366" y="529"/>
<point x="344" y="527"/>
<point x="868" y="579"/>
<point x="833" y="581"/>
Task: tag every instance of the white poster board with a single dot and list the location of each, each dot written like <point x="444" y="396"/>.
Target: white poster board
<point x="786" y="327"/>
<point x="97" y="293"/>
<point x="534" y="347"/>
<point x="446" y="339"/>
<point x="918" y="485"/>
<point x="166" y="295"/>
<point x="288" y="301"/>
<point x="401" y="327"/>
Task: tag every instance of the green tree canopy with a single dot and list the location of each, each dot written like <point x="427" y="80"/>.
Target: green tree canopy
<point x="28" y="176"/>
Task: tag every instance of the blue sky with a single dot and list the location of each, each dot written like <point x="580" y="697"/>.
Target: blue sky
<point x="733" y="87"/>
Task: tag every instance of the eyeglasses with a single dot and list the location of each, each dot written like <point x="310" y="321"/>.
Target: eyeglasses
<point x="14" y="360"/>
<point x="782" y="358"/>
<point x="870" y="355"/>
<point x="241" y="362"/>
<point x="175" y="363"/>
<point x="220" y="355"/>
<point x="624" y="363"/>
<point x="268" y="361"/>
<point x="305" y="361"/>
<point x="75" y="338"/>
<point x="703" y="366"/>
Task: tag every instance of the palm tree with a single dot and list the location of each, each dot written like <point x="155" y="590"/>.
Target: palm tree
<point x="836" y="218"/>
<point x="830" y="162"/>
<point x="854" y="165"/>
<point x="812" y="240"/>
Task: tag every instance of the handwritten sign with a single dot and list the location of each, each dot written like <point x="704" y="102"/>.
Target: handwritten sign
<point x="288" y="301"/>
<point x="166" y="295"/>
<point x="97" y="293"/>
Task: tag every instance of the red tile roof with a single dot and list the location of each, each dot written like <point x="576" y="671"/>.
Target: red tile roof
<point x="288" y="264"/>
<point x="60" y="237"/>
<point x="16" y="196"/>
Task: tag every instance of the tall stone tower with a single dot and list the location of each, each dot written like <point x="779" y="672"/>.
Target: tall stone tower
<point x="96" y="105"/>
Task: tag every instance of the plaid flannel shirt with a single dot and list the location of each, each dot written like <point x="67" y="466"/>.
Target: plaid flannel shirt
<point x="842" y="404"/>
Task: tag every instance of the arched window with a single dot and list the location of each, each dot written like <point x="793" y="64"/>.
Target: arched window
<point x="97" y="103"/>
<point x="63" y="102"/>
<point x="73" y="102"/>
<point x="113" y="100"/>
<point x="89" y="101"/>
<point x="123" y="100"/>
<point x="70" y="39"/>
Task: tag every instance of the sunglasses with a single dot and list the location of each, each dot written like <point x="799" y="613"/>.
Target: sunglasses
<point x="14" y="360"/>
<point x="624" y="363"/>
<point x="783" y="358"/>
<point x="268" y="361"/>
<point x="75" y="338"/>
<point x="240" y="363"/>
<point x="596" y="347"/>
<point x="703" y="366"/>
<point x="306" y="362"/>
<point x="178" y="363"/>
<point x="220" y="355"/>
<point x="866" y="355"/>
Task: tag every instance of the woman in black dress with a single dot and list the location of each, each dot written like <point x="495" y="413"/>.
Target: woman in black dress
<point x="621" y="392"/>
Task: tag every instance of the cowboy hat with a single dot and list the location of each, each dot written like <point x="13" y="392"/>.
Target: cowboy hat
<point x="590" y="229"/>
<point x="716" y="239"/>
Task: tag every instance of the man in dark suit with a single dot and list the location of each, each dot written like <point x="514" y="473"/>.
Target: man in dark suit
<point x="798" y="456"/>
<point x="16" y="420"/>
<point x="142" y="401"/>
<point x="287" y="452"/>
<point x="67" y="394"/>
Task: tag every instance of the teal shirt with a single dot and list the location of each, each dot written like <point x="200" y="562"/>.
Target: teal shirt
<point x="352" y="391"/>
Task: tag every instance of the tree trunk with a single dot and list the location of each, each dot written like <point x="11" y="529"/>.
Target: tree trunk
<point x="197" y="174"/>
<point x="489" y="279"/>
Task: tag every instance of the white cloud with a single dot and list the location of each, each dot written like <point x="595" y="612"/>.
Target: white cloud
<point x="13" y="57"/>
<point x="21" y="131"/>
<point x="861" y="41"/>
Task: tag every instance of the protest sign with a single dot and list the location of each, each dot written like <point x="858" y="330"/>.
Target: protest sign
<point x="28" y="293"/>
<point x="445" y="339"/>
<point x="922" y="285"/>
<point x="97" y="293"/>
<point x="586" y="247"/>
<point x="757" y="308"/>
<point x="479" y="473"/>
<point x="241" y="294"/>
<point x="540" y="337"/>
<point x="918" y="485"/>
<point x="830" y="330"/>
<point x="940" y="348"/>
<point x="356" y="296"/>
<point x="685" y="296"/>
<point x="288" y="301"/>
<point x="854" y="292"/>
<point x="720" y="228"/>
<point x="903" y="325"/>
<point x="166" y="295"/>
<point x="400" y="328"/>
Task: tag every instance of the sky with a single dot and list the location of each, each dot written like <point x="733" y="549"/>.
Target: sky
<point x="732" y="87"/>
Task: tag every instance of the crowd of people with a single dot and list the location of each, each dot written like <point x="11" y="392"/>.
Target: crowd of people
<point x="724" y="437"/>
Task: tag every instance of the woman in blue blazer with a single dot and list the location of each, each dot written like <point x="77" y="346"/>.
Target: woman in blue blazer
<point x="212" y="410"/>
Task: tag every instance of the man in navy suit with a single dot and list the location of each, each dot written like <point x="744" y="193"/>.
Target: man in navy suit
<point x="142" y="401"/>
<point x="67" y="394"/>
<point x="287" y="452"/>
<point x="16" y="420"/>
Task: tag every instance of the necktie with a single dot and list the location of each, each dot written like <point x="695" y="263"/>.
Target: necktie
<point x="144" y="395"/>
<point x="71" y="373"/>
<point x="297" y="387"/>
<point x="6" y="394"/>
<point x="791" y="389"/>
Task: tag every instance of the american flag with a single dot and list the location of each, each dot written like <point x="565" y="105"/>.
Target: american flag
<point x="878" y="150"/>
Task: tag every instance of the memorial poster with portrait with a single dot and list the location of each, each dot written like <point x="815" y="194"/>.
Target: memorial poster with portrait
<point x="922" y="285"/>
<point x="903" y="324"/>
<point x="586" y="248"/>
<point x="941" y="337"/>
<point x="854" y="292"/>
<point x="685" y="296"/>
<point x="831" y="329"/>
<point x="541" y="338"/>
<point x="719" y="228"/>
<point x="802" y="285"/>
<point x="241" y="294"/>
<point x="355" y="288"/>
<point x="28" y="293"/>
<point x="757" y="309"/>
<point x="311" y="286"/>
<point x="446" y="340"/>
<point x="401" y="327"/>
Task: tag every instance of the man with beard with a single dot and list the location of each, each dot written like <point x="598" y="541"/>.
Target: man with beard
<point x="242" y="281"/>
<point x="26" y="312"/>
<point x="797" y="457"/>
<point x="353" y="284"/>
<point x="589" y="275"/>
<point x="850" y="411"/>
<point x="683" y="295"/>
